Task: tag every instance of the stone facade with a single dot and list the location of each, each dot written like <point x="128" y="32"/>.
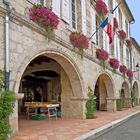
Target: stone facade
<point x="28" y="41"/>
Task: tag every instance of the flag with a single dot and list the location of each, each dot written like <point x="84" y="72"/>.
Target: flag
<point x="104" y="23"/>
<point x="110" y="27"/>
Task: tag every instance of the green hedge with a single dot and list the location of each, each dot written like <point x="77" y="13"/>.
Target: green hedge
<point x="119" y="103"/>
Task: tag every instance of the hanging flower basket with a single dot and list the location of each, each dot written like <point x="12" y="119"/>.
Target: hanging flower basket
<point x="115" y="23"/>
<point x="130" y="73"/>
<point x="122" y="35"/>
<point x="129" y="43"/>
<point x="45" y="18"/>
<point x="80" y="41"/>
<point x="102" y="55"/>
<point x="114" y="63"/>
<point x="123" y="70"/>
<point x="101" y="8"/>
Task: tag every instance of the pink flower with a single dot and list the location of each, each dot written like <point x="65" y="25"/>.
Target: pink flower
<point x="101" y="54"/>
<point x="114" y="63"/>
<point x="122" y="34"/>
<point x="101" y="7"/>
<point x="44" y="17"/>
<point x="123" y="69"/>
<point x="129" y="42"/>
<point x="130" y="73"/>
<point x="115" y="23"/>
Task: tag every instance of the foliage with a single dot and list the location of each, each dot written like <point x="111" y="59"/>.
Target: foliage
<point x="90" y="105"/>
<point x="119" y="103"/>
<point x="133" y="97"/>
<point x="6" y="108"/>
<point x="7" y="99"/>
<point x="101" y="8"/>
<point x="45" y="18"/>
<point x="102" y="55"/>
<point x="114" y="63"/>
<point x="80" y="41"/>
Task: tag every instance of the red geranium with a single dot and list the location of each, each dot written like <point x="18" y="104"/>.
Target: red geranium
<point x="114" y="63"/>
<point x="44" y="17"/>
<point x="101" y="8"/>
<point x="80" y="41"/>
<point x="102" y="54"/>
<point x="130" y="73"/>
<point x="122" y="34"/>
<point x="123" y="69"/>
<point x="129" y="42"/>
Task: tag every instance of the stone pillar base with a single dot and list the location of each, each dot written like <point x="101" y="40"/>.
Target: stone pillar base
<point x="127" y="103"/>
<point x="111" y="104"/>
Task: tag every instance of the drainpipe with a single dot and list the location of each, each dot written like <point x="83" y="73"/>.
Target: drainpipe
<point x="6" y="43"/>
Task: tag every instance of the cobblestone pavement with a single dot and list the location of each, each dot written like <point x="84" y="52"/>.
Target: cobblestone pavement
<point x="66" y="129"/>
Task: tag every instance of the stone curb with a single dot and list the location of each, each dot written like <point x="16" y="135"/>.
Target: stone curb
<point x="104" y="129"/>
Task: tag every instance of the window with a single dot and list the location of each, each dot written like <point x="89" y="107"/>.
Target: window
<point x="73" y="14"/>
<point x="120" y="19"/>
<point x="39" y="2"/>
<point x="66" y="10"/>
<point x="127" y="58"/>
<point x="121" y="52"/>
<point x="126" y="27"/>
<point x="97" y="33"/>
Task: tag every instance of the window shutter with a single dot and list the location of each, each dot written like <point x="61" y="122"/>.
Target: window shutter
<point x="104" y="40"/>
<point x="93" y="24"/>
<point x="115" y="50"/>
<point x="56" y="7"/>
<point x="123" y="22"/>
<point x="66" y="10"/>
<point x="83" y="7"/>
<point x="124" y="54"/>
<point x="118" y="45"/>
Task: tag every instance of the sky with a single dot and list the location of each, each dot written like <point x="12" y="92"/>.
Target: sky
<point x="134" y="6"/>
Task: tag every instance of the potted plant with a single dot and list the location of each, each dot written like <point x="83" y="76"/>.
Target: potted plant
<point x="80" y="41"/>
<point x="123" y="70"/>
<point x="122" y="34"/>
<point x="90" y="104"/>
<point x="119" y="103"/>
<point x="130" y="74"/>
<point x="114" y="63"/>
<point x="101" y="8"/>
<point x="44" y="17"/>
<point x="102" y="55"/>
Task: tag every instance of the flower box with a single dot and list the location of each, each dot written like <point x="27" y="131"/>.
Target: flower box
<point x="44" y="17"/>
<point x="129" y="43"/>
<point x="123" y="70"/>
<point x="80" y="41"/>
<point x="115" y="23"/>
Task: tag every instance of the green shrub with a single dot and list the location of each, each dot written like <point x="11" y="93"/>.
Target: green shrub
<point x="7" y="100"/>
<point x="119" y="104"/>
<point x="90" y="105"/>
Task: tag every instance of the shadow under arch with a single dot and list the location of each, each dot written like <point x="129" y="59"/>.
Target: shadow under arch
<point x="136" y="91"/>
<point x="125" y="94"/>
<point x="104" y="92"/>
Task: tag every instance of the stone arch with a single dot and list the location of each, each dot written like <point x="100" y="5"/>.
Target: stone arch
<point x="125" y="94"/>
<point x="136" y="90"/>
<point x="68" y="65"/>
<point x="105" y="91"/>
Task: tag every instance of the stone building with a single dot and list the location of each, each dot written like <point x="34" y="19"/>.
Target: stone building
<point x="56" y="67"/>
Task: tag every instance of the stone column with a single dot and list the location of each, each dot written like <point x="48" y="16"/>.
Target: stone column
<point x="127" y="103"/>
<point x="111" y="104"/>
